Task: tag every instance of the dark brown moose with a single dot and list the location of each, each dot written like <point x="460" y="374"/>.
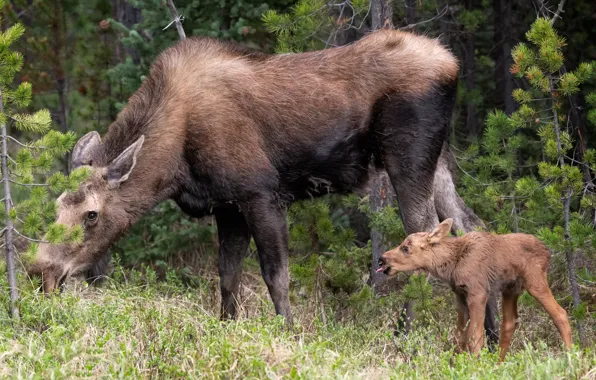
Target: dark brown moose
<point x="476" y="264"/>
<point x="241" y="134"/>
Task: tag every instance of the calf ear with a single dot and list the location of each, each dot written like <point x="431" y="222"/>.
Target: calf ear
<point x="84" y="149"/>
<point x="120" y="168"/>
<point x="441" y="231"/>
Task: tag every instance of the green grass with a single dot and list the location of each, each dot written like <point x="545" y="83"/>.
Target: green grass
<point x="137" y="327"/>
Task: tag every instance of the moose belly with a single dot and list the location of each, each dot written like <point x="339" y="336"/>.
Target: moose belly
<point x="330" y="167"/>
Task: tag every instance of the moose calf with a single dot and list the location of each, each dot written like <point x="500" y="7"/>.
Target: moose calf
<point x="476" y="264"/>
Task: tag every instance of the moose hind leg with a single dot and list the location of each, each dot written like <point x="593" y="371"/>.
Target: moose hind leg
<point x="410" y="134"/>
<point x="233" y="235"/>
<point x="539" y="289"/>
<point x="508" y="323"/>
<point x="267" y="224"/>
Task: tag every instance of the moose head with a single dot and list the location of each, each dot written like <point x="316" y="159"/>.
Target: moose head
<point x="99" y="206"/>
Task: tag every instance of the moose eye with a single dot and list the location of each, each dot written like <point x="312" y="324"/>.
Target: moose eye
<point x="92" y="215"/>
<point x="404" y="249"/>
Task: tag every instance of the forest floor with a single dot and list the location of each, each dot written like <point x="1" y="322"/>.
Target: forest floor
<point x="135" y="326"/>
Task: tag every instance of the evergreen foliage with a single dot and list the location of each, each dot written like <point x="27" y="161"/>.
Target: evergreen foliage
<point x="551" y="198"/>
<point x="26" y="166"/>
<point x="312" y="24"/>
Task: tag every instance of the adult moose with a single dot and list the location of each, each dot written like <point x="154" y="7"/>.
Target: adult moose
<point x="240" y="134"/>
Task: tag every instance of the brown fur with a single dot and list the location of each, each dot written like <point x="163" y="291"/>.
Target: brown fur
<point x="476" y="264"/>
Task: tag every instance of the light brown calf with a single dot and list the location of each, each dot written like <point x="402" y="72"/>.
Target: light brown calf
<point x="476" y="264"/>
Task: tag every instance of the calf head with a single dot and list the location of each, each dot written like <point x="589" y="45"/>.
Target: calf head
<point x="97" y="206"/>
<point x="416" y="252"/>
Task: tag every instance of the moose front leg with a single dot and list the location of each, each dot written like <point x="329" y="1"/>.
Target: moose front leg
<point x="267" y="223"/>
<point x="233" y="235"/>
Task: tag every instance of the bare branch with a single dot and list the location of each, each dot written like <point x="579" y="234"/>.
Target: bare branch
<point x="25" y="145"/>
<point x="11" y="160"/>
<point x="558" y="12"/>
<point x="24" y="184"/>
<point x="442" y="13"/>
<point x="28" y="238"/>
<point x="177" y="20"/>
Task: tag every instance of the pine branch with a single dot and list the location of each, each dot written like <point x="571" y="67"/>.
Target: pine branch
<point x="25" y="145"/>
<point x="23" y="184"/>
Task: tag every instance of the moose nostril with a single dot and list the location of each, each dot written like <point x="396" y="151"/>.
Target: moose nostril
<point x="381" y="262"/>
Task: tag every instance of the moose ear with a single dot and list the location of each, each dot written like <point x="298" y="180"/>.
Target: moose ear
<point x="441" y="231"/>
<point x="82" y="153"/>
<point x="120" y="168"/>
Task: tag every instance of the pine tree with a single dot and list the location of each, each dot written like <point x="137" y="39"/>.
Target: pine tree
<point x="25" y="164"/>
<point x="541" y="63"/>
<point x="551" y="189"/>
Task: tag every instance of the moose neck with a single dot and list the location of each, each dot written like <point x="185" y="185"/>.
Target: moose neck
<point x="152" y="112"/>
<point x="445" y="257"/>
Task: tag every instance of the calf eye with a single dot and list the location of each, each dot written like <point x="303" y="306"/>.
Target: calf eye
<point x="92" y="215"/>
<point x="404" y="249"/>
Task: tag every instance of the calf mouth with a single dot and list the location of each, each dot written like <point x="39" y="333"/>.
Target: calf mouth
<point x="383" y="267"/>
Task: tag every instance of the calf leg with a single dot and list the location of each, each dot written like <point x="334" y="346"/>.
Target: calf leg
<point x="509" y="322"/>
<point x="539" y="289"/>
<point x="267" y="224"/>
<point x="477" y="310"/>
<point x="233" y="235"/>
<point x="463" y="318"/>
<point x="450" y="205"/>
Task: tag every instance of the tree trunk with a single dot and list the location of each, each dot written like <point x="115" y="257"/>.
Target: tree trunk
<point x="444" y="25"/>
<point x="470" y="75"/>
<point x="8" y="231"/>
<point x="502" y="56"/>
<point x="570" y="258"/>
<point x="61" y="88"/>
<point x="411" y="13"/>
<point x="381" y="194"/>
<point x="128" y="15"/>
<point x="472" y="125"/>
<point x="58" y="28"/>
<point x="381" y="13"/>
